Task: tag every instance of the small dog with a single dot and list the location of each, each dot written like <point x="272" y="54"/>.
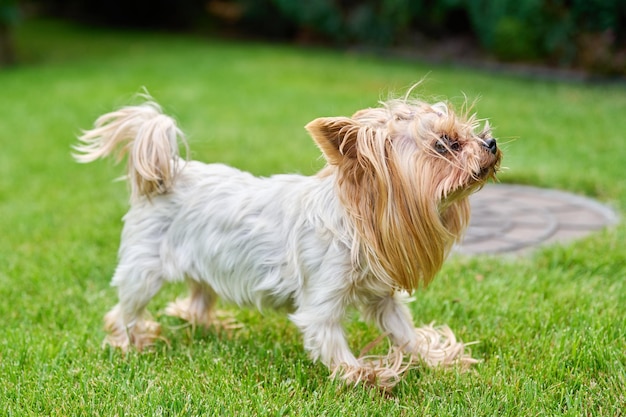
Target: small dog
<point x="372" y="226"/>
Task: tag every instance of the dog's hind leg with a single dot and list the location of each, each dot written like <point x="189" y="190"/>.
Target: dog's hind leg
<point x="197" y="309"/>
<point x="128" y="322"/>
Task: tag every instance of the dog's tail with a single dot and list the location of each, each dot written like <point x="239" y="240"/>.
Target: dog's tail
<point x="149" y="137"/>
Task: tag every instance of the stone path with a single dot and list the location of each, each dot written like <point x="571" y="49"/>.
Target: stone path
<point x="515" y="219"/>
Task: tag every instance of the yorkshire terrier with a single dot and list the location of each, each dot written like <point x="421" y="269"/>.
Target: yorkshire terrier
<point x="368" y="229"/>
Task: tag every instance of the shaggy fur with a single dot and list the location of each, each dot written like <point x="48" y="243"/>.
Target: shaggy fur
<point x="375" y="224"/>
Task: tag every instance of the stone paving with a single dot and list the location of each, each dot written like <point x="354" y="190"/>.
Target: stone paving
<point x="514" y="219"/>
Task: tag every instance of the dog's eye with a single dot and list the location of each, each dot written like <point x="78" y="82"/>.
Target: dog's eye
<point x="445" y="144"/>
<point x="440" y="146"/>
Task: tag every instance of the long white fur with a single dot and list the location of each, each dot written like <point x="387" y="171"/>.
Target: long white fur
<point x="273" y="242"/>
<point x="282" y="241"/>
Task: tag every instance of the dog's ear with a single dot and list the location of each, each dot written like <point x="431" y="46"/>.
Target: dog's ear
<point x="336" y="137"/>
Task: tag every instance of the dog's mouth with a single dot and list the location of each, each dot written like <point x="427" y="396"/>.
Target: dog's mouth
<point x="489" y="171"/>
<point x="486" y="172"/>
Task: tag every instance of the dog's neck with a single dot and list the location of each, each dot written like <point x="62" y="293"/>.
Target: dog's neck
<point x="402" y="240"/>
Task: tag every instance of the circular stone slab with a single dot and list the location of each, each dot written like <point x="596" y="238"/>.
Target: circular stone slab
<point x="515" y="219"/>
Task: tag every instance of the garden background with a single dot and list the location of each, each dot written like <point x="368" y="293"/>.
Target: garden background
<point x="550" y="326"/>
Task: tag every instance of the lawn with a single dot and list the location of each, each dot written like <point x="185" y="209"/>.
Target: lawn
<point x="551" y="326"/>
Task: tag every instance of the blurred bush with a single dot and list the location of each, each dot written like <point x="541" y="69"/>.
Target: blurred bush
<point x="9" y="16"/>
<point x="584" y="33"/>
<point x="152" y="14"/>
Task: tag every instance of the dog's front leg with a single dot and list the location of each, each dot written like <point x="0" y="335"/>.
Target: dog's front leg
<point x="324" y="336"/>
<point x="392" y="316"/>
<point x="433" y="346"/>
<point x="325" y="340"/>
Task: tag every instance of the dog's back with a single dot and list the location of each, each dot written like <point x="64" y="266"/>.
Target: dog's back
<point x="253" y="240"/>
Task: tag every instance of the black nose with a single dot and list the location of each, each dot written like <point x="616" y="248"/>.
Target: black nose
<point x="491" y="145"/>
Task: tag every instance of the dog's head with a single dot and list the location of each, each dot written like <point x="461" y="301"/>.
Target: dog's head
<point x="404" y="171"/>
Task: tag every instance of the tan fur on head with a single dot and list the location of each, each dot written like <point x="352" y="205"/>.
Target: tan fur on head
<point x="405" y="171"/>
<point x="147" y="135"/>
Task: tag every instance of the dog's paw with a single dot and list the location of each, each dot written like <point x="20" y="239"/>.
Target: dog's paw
<point x="186" y="310"/>
<point x="141" y="334"/>
<point x="382" y="372"/>
<point x="370" y="375"/>
<point x="145" y="333"/>
<point x="438" y="346"/>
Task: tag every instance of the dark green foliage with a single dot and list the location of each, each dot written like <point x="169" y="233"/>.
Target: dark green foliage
<point x="368" y="21"/>
<point x="154" y="14"/>
<point x="9" y="12"/>
<point x="585" y="33"/>
<point x="591" y="34"/>
<point x="9" y="16"/>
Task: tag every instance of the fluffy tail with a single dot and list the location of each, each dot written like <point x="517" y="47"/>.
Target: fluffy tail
<point x="150" y="139"/>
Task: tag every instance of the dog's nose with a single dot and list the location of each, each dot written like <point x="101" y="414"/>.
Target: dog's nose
<point x="491" y="145"/>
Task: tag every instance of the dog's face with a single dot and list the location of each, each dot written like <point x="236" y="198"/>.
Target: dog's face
<point x="404" y="171"/>
<point x="430" y="144"/>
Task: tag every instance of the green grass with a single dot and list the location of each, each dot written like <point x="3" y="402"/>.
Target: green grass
<point x="551" y="326"/>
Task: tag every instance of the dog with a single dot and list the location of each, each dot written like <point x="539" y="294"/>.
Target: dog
<point x="371" y="227"/>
